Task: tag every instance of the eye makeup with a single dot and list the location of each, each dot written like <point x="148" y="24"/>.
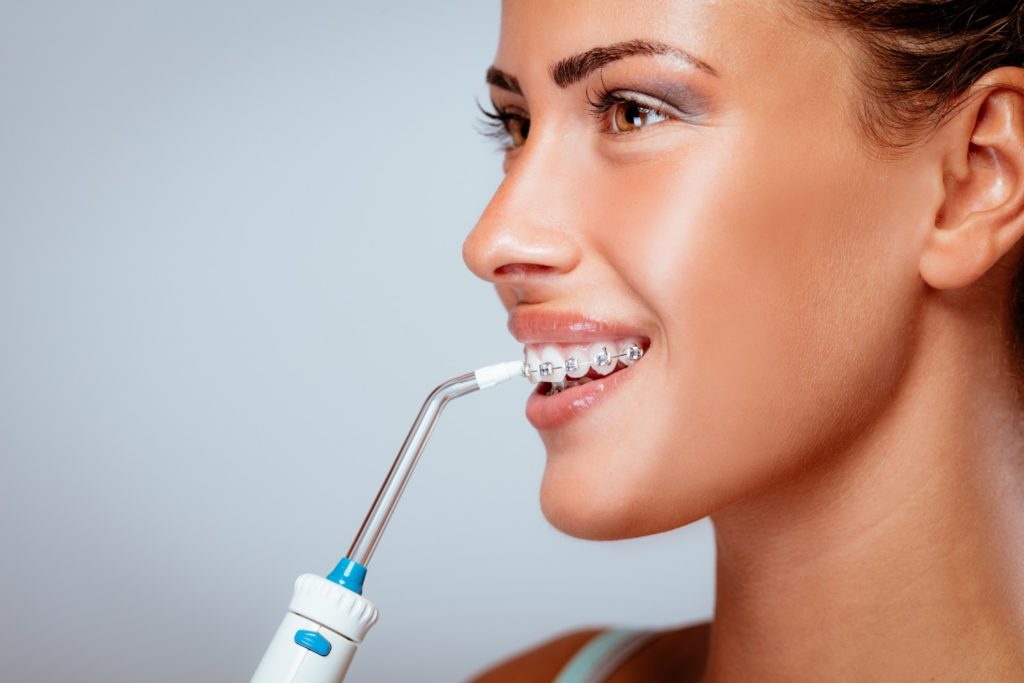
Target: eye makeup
<point x="673" y="98"/>
<point x="604" y="99"/>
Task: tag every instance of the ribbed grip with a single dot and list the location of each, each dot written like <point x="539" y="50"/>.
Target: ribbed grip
<point x="337" y="608"/>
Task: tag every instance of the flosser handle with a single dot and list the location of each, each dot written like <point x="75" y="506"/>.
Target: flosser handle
<point x="319" y="635"/>
<point x="326" y="621"/>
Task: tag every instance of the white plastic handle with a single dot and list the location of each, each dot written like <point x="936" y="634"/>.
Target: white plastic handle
<point x="287" y="662"/>
<point x="317" y="639"/>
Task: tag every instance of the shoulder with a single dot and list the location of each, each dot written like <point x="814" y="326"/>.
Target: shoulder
<point x="674" y="655"/>
<point x="539" y="663"/>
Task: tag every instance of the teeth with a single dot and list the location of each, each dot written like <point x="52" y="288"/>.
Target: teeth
<point x="532" y="362"/>
<point x="551" y="356"/>
<point x="632" y="351"/>
<point x="601" y="358"/>
<point x="579" y="355"/>
<point x="556" y="387"/>
<point x="568" y="365"/>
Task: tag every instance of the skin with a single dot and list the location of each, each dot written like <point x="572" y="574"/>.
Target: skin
<point x="829" y="376"/>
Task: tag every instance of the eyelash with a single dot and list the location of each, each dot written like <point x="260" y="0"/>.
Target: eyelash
<point x="496" y="123"/>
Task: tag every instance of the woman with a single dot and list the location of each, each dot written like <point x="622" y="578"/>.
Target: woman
<point x="807" y="213"/>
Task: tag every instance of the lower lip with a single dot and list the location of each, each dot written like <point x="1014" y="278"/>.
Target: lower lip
<point x="551" y="412"/>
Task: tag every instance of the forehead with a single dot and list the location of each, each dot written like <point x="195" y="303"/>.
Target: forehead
<point x="745" y="40"/>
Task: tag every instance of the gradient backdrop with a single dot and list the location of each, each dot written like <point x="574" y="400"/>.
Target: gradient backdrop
<point x="230" y="272"/>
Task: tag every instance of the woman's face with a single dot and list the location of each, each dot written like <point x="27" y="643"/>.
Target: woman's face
<point x="731" y="219"/>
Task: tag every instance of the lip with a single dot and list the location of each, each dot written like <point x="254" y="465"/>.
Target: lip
<point x="551" y="412"/>
<point x="564" y="327"/>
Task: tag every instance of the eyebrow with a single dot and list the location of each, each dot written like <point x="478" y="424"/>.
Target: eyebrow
<point x="573" y="69"/>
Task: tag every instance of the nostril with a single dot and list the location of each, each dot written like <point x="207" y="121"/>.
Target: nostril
<point x="520" y="270"/>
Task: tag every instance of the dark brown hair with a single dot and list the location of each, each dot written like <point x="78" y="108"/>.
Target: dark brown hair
<point x="922" y="55"/>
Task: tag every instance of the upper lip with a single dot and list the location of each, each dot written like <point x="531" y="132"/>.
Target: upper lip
<point x="535" y="327"/>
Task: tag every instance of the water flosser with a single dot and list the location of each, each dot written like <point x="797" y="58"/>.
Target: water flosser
<point x="328" y="617"/>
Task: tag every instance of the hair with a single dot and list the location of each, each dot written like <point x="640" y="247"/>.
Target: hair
<point x="922" y="55"/>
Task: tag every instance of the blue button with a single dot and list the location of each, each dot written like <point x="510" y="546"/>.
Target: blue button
<point x="313" y="641"/>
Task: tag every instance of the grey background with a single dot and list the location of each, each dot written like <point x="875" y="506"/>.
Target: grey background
<point x="230" y="272"/>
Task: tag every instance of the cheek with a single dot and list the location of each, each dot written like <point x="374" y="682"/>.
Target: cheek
<point x="785" y="301"/>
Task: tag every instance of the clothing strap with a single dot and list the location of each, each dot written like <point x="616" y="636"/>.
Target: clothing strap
<point x="604" y="653"/>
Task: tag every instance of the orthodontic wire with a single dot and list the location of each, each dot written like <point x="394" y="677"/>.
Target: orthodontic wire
<point x="527" y="370"/>
<point x="530" y="370"/>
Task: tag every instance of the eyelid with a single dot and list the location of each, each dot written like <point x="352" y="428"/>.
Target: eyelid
<point x="659" y="106"/>
<point x="607" y="100"/>
<point x="495" y="123"/>
<point x="509" y="108"/>
<point x="675" y="98"/>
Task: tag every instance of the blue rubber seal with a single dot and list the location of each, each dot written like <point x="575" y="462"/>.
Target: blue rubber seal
<point x="349" y="574"/>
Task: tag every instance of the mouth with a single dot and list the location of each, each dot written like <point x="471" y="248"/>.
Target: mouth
<point x="557" y="367"/>
<point x="572" y="379"/>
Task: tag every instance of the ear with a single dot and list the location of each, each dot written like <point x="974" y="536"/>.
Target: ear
<point x="982" y="215"/>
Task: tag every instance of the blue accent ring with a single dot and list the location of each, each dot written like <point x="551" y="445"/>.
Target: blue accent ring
<point x="348" y="574"/>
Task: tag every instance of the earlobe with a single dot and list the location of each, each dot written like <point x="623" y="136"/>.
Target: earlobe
<point x="982" y="215"/>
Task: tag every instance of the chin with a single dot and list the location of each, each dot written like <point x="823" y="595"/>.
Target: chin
<point x="602" y="504"/>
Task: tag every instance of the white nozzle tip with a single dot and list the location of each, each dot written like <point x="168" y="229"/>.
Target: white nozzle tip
<point x="496" y="374"/>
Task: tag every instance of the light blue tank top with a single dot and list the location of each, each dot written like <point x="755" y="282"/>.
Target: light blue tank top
<point x="605" y="652"/>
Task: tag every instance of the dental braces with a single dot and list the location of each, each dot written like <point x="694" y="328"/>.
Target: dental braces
<point x="632" y="353"/>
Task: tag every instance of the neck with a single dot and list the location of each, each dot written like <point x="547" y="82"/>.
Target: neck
<point x="899" y="557"/>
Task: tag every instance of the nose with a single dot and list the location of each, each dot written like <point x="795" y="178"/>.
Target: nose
<point x="525" y="237"/>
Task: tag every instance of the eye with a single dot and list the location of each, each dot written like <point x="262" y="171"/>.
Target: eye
<point x="506" y="125"/>
<point x="629" y="113"/>
<point x="511" y="127"/>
